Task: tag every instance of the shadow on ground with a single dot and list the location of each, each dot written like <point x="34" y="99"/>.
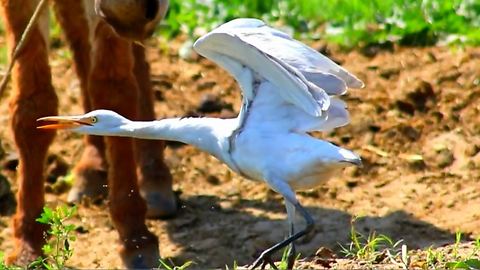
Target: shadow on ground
<point x="209" y="227"/>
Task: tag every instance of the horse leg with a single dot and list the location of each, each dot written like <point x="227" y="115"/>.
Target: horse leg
<point x="154" y="176"/>
<point x="32" y="97"/>
<point x="112" y="85"/>
<point x="90" y="173"/>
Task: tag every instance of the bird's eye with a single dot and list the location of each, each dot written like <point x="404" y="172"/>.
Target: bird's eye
<point x="94" y="119"/>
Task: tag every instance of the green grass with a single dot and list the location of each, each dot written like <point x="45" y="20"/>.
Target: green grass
<point x="346" y="22"/>
<point x="471" y="261"/>
<point x="373" y="248"/>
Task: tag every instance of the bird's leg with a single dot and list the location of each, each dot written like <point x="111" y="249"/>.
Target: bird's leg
<point x="291" y="222"/>
<point x="282" y="187"/>
<point x="266" y="255"/>
<point x="291" y="252"/>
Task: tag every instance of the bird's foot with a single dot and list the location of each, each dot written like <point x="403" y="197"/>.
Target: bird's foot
<point x="263" y="260"/>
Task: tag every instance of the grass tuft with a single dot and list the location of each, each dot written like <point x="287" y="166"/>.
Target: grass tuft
<point x="171" y="266"/>
<point x="372" y="248"/>
<point x="471" y="261"/>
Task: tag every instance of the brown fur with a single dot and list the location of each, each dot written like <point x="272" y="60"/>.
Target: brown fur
<point x="112" y="73"/>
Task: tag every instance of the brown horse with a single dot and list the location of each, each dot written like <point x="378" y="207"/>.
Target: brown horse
<point x="113" y="72"/>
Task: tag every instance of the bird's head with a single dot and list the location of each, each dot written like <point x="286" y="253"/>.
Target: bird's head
<point x="98" y="122"/>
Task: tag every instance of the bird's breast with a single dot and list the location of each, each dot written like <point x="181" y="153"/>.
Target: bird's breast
<point x="249" y="162"/>
<point x="314" y="176"/>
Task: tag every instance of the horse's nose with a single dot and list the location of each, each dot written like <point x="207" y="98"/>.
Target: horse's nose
<point x="132" y="19"/>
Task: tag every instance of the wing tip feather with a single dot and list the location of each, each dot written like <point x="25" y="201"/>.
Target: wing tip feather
<point x="355" y="82"/>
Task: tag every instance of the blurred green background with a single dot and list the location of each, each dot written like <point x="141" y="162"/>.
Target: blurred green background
<point x="349" y="23"/>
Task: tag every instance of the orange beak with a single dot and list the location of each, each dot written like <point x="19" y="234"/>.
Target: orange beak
<point x="64" y="122"/>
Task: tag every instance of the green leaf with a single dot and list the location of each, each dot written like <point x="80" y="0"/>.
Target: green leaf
<point x="165" y="265"/>
<point x="48" y="212"/>
<point x="468" y="264"/>
<point x="48" y="266"/>
<point x="473" y="263"/>
<point x="37" y="263"/>
<point x="69" y="227"/>
<point x="46" y="216"/>
<point x="47" y="248"/>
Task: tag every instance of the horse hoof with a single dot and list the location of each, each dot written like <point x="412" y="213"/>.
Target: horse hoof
<point x="22" y="256"/>
<point x="90" y="183"/>
<point x="136" y="257"/>
<point x="155" y="186"/>
<point x="160" y="204"/>
<point x="90" y="176"/>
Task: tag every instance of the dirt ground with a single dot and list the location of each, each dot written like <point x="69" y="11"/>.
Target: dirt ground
<point x="415" y="124"/>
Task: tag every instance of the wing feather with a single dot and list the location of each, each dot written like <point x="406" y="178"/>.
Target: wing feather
<point x="299" y="75"/>
<point x="291" y="85"/>
<point x="282" y="46"/>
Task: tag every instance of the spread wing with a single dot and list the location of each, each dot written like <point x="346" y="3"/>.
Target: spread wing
<point x="300" y="75"/>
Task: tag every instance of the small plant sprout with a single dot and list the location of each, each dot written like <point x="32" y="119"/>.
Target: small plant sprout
<point x="283" y="265"/>
<point x="171" y="266"/>
<point x="57" y="250"/>
<point x="470" y="262"/>
<point x="234" y="267"/>
<point x="434" y="258"/>
<point x="403" y="256"/>
<point x="374" y="248"/>
<point x="458" y="239"/>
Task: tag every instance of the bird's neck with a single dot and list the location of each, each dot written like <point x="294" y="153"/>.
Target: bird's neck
<point x="208" y="134"/>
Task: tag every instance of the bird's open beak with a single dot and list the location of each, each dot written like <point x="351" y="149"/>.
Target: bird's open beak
<point x="63" y="122"/>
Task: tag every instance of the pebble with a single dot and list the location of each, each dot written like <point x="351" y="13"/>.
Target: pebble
<point x="444" y="158"/>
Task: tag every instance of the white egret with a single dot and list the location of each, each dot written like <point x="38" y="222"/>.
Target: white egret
<point x="288" y="90"/>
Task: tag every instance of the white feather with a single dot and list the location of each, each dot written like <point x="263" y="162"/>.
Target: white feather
<point x="295" y="83"/>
